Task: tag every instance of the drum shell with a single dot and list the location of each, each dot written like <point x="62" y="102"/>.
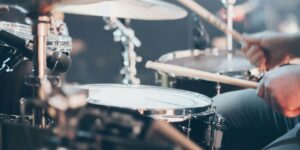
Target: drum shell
<point x="197" y="125"/>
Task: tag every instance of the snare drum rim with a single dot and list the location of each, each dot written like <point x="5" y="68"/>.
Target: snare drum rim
<point x="166" y="113"/>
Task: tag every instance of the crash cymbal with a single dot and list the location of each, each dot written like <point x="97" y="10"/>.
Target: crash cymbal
<point x="131" y="9"/>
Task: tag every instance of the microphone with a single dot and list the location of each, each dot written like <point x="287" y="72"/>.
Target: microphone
<point x="57" y="61"/>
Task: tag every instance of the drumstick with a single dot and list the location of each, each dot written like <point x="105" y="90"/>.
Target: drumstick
<point x="212" y="19"/>
<point x="193" y="73"/>
<point x="169" y="132"/>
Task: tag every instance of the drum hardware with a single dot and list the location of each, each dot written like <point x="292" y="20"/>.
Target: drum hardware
<point x="188" y="129"/>
<point x="229" y="5"/>
<point x="214" y="131"/>
<point x="26" y="119"/>
<point x="22" y="103"/>
<point x="10" y="60"/>
<point x="218" y="87"/>
<point x="58" y="38"/>
<point x="55" y="43"/>
<point x="38" y="12"/>
<point x="126" y="36"/>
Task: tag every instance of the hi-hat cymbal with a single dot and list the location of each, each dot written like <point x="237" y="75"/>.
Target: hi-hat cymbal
<point x="131" y="9"/>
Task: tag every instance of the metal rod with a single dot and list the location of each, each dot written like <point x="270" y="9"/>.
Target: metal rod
<point x="40" y="29"/>
<point x="230" y="15"/>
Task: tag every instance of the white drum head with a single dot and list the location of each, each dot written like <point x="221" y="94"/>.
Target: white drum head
<point x="157" y="100"/>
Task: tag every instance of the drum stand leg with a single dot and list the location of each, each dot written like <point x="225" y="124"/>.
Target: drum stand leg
<point x="187" y="128"/>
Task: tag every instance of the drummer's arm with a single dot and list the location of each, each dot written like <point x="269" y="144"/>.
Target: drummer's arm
<point x="294" y="41"/>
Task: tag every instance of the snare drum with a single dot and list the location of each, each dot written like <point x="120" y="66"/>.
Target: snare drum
<point x="210" y="60"/>
<point x="166" y="104"/>
<point x="183" y="109"/>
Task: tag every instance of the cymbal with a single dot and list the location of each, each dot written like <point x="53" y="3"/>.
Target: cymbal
<point x="43" y="6"/>
<point x="131" y="9"/>
<point x="72" y="2"/>
<point x="209" y="60"/>
<point x="62" y="2"/>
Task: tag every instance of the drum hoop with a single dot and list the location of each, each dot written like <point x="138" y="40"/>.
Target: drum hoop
<point x="167" y="114"/>
<point x="175" y="112"/>
<point x="144" y="87"/>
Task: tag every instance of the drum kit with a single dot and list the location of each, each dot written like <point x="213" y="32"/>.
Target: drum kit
<point x="113" y="106"/>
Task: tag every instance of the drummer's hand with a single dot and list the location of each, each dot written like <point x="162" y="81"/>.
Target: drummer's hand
<point x="281" y="89"/>
<point x="268" y="49"/>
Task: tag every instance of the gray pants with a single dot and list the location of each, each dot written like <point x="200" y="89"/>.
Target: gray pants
<point x="244" y="111"/>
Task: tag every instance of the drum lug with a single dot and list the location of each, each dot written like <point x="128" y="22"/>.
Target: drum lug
<point x="157" y="77"/>
<point x="186" y="129"/>
<point x="214" y="131"/>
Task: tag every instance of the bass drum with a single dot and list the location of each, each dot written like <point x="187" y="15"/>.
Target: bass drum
<point x="210" y="60"/>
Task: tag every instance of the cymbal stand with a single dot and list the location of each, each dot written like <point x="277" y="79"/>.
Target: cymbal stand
<point x="229" y="4"/>
<point x="125" y="35"/>
<point x="39" y="81"/>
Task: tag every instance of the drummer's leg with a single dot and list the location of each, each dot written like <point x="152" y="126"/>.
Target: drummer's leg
<point x="289" y="141"/>
<point x="247" y="117"/>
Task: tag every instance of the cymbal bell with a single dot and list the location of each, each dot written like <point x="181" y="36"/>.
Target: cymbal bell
<point x="131" y="9"/>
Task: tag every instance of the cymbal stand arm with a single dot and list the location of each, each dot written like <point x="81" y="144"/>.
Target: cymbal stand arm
<point x="126" y="36"/>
